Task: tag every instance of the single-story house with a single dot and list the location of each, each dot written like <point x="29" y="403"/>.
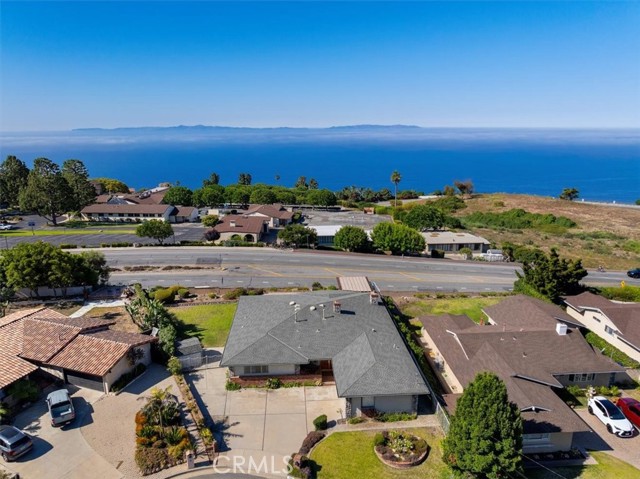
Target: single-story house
<point x="452" y="242"/>
<point x="80" y="351"/>
<point x="326" y="233"/>
<point x="348" y="335"/>
<point x="135" y="213"/>
<point x="154" y="196"/>
<point x="277" y="215"/>
<point x="130" y="213"/>
<point x="535" y="349"/>
<point x="242" y="228"/>
<point x="615" y="322"/>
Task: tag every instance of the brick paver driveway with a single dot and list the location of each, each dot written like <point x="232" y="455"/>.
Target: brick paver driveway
<point x="627" y="449"/>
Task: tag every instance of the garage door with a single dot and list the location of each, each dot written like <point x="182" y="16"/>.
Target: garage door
<point x="82" y="380"/>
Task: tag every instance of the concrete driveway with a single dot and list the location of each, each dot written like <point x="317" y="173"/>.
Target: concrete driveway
<point x="61" y="453"/>
<point x="599" y="439"/>
<point x="258" y="424"/>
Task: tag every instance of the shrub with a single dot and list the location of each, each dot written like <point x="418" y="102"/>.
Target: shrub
<point x="313" y="438"/>
<point x="316" y="286"/>
<point x="379" y="439"/>
<point x="183" y="293"/>
<point x="126" y="378"/>
<point x="576" y="391"/>
<point x="151" y="460"/>
<point x="355" y="420"/>
<point x="231" y="386"/>
<point x="165" y="295"/>
<point x="516" y="219"/>
<point x="396" y="416"/>
<point x="608" y="350"/>
<point x="68" y="246"/>
<point x="436" y="253"/>
<point x="320" y="423"/>
<point x="212" y="296"/>
<point x="237" y="292"/>
<point x="274" y="383"/>
<point x="174" y="366"/>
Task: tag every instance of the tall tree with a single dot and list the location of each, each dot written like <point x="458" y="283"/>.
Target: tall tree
<point x="464" y="187"/>
<point x="298" y="235"/>
<point x="244" y="179"/>
<point x="156" y="229"/>
<point x="550" y="276"/>
<point x="313" y="184"/>
<point x="351" y="238"/>
<point x="13" y="179"/>
<point x="211" y="196"/>
<point x="322" y="197"/>
<point x="82" y="191"/>
<point x="424" y="217"/>
<point x="262" y="196"/>
<point x="110" y="185"/>
<point x="301" y="182"/>
<point x="399" y="239"/>
<point x="395" y="179"/>
<point x="47" y="192"/>
<point x="569" y="194"/>
<point x="485" y="436"/>
<point x="214" y="179"/>
<point x="178" y="196"/>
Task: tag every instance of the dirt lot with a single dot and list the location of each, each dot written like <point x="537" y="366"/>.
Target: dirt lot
<point x="617" y="251"/>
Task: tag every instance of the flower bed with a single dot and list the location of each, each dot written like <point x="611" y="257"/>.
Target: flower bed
<point x="400" y="449"/>
<point x="290" y="380"/>
<point x="161" y="441"/>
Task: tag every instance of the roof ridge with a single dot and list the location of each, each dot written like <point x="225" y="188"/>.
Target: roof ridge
<point x="370" y="366"/>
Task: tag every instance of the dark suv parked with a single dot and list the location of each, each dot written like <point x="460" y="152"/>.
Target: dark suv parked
<point x="634" y="273"/>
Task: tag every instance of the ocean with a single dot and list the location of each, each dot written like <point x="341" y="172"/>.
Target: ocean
<point x="604" y="165"/>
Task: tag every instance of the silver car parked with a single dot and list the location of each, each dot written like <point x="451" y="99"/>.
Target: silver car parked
<point x="60" y="407"/>
<point x="13" y="443"/>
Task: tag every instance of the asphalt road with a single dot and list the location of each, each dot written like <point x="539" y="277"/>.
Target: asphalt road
<point x="267" y="267"/>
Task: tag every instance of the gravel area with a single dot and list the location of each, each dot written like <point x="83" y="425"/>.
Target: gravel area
<point x="112" y="432"/>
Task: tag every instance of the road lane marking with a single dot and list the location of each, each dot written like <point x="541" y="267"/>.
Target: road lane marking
<point x="264" y="270"/>
<point x="333" y="271"/>
<point x="411" y="276"/>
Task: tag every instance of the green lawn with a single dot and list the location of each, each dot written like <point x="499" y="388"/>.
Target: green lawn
<point x="211" y="323"/>
<point x="66" y="232"/>
<point x="472" y="307"/>
<point x="346" y="455"/>
<point x="608" y="467"/>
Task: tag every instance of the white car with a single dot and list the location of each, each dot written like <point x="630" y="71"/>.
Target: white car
<point x="7" y="227"/>
<point x="610" y="416"/>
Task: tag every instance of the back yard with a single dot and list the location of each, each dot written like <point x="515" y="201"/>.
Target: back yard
<point x="424" y="304"/>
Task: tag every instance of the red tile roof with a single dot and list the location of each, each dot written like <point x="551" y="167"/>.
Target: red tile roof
<point x="13" y="368"/>
<point x="97" y="353"/>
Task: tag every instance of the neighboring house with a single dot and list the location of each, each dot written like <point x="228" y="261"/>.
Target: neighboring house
<point x="189" y="353"/>
<point x="348" y="335"/>
<point x="121" y="211"/>
<point x="616" y="323"/>
<point x="130" y="213"/>
<point x="451" y="242"/>
<point x="79" y="351"/>
<point x="277" y="215"/>
<point x="534" y="348"/>
<point x="153" y="196"/>
<point x="242" y="228"/>
<point x="326" y="233"/>
<point x="354" y="283"/>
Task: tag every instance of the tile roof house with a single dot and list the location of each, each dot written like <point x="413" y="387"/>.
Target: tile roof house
<point x="347" y="333"/>
<point x="135" y="213"/>
<point x="615" y="322"/>
<point x="534" y="351"/>
<point x="278" y="215"/>
<point x="242" y="228"/>
<point x="80" y="351"/>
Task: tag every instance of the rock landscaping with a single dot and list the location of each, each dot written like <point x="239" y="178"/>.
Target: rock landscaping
<point x="400" y="449"/>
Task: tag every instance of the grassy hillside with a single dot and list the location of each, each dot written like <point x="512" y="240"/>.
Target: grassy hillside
<point x="605" y="234"/>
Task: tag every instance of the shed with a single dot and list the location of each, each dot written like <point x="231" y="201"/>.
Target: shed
<point x="189" y="352"/>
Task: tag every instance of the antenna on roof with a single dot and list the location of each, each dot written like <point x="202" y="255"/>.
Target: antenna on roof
<point x="321" y="306"/>
<point x="296" y="308"/>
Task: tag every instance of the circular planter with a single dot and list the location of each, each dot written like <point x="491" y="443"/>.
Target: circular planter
<point x="403" y="464"/>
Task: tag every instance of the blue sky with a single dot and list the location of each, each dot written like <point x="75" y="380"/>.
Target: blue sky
<point x="516" y="64"/>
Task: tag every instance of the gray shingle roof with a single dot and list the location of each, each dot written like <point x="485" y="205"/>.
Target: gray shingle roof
<point x="369" y="356"/>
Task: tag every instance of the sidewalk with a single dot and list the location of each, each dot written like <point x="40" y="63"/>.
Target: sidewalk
<point x="96" y="304"/>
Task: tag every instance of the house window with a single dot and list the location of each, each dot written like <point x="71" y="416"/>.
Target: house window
<point x="535" y="438"/>
<point x="608" y="330"/>
<point x="256" y="369"/>
<point x="581" y="378"/>
<point x="368" y="401"/>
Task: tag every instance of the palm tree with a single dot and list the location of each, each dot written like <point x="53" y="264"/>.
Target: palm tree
<point x="395" y="179"/>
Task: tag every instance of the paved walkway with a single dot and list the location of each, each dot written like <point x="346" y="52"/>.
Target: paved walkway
<point x="96" y="304"/>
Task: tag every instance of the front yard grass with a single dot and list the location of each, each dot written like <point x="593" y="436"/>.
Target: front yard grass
<point x="210" y="322"/>
<point x="608" y="467"/>
<point x="471" y="306"/>
<point x="344" y="455"/>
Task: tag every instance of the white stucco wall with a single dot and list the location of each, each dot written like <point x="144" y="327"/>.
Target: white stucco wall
<point x="385" y="404"/>
<point x="596" y="321"/>
<point x="123" y="366"/>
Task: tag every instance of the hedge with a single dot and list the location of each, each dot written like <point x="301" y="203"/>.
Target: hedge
<point x="608" y="350"/>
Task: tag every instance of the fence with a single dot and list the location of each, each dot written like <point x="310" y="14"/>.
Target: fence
<point x="443" y="417"/>
<point x="206" y="360"/>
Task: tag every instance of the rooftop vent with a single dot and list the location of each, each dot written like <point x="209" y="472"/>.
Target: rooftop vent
<point x="373" y="297"/>
<point x="561" y="329"/>
<point x="232" y="223"/>
<point x="337" y="307"/>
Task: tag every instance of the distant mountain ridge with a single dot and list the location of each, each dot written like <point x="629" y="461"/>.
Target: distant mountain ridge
<point x="194" y="128"/>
